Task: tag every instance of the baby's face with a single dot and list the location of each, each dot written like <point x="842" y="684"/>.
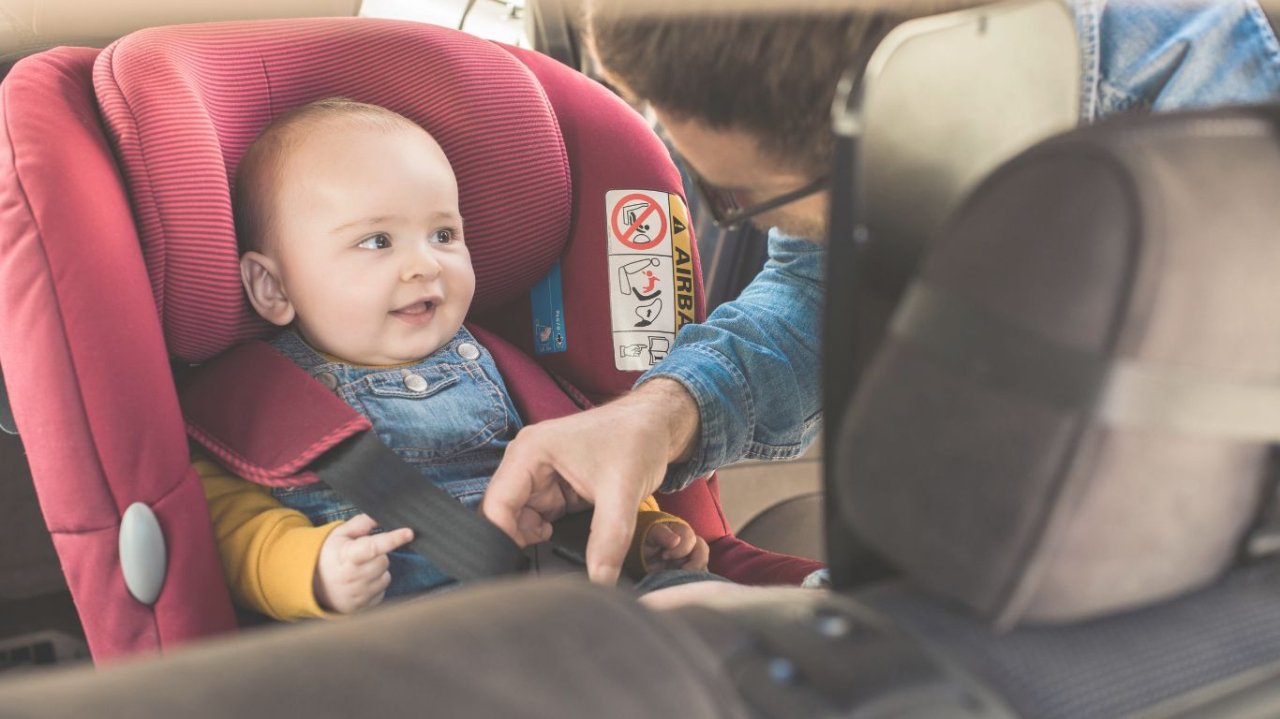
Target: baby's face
<point x="368" y="243"/>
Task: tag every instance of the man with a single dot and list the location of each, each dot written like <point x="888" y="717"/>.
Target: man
<point x="745" y="100"/>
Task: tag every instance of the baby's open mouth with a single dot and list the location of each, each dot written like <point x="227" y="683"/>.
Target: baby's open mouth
<point x="416" y="313"/>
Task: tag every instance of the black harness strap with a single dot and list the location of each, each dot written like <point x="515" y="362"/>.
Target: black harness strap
<point x="461" y="543"/>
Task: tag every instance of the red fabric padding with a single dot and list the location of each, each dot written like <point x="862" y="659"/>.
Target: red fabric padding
<point x="263" y="417"/>
<point x="699" y="504"/>
<point x="188" y="608"/>
<point x="610" y="147"/>
<point x="748" y="564"/>
<point x="536" y="395"/>
<point x="183" y="103"/>
<point x="86" y="367"/>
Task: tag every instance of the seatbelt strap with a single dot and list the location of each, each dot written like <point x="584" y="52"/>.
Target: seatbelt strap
<point x="375" y="479"/>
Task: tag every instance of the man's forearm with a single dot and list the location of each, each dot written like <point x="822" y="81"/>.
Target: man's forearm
<point x="752" y="368"/>
<point x="668" y="402"/>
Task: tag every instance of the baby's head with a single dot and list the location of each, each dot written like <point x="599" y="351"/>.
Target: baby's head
<point x="348" y="221"/>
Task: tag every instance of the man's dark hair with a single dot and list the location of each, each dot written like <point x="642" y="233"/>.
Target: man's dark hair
<point x="773" y="75"/>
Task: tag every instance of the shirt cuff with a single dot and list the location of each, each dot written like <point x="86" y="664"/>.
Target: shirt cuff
<point x="725" y="411"/>
<point x="287" y="578"/>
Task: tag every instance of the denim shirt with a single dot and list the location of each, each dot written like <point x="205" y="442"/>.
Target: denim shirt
<point x="448" y="414"/>
<point x="753" y="366"/>
<point x="1160" y="55"/>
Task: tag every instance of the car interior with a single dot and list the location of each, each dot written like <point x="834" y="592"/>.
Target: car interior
<point x="1045" y="486"/>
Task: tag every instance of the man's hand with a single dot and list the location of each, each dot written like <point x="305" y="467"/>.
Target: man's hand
<point x="673" y="545"/>
<point x="612" y="456"/>
<point x="351" y="573"/>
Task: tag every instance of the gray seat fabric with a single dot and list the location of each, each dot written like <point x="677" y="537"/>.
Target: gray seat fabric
<point x="1109" y="667"/>
<point x="1069" y="416"/>
<point x="793" y="526"/>
<point x="513" y="648"/>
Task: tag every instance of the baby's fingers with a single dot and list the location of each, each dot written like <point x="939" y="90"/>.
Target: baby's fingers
<point x="377" y="591"/>
<point x="388" y="542"/>
<point x="698" y="557"/>
<point x="358" y="526"/>
<point x="662" y="535"/>
<point x="684" y="544"/>
<point x="375" y="547"/>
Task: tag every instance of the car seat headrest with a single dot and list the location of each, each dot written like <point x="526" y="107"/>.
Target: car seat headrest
<point x="1070" y="415"/>
<point x="182" y="104"/>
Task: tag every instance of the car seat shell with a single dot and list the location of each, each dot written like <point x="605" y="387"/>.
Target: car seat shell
<point x="106" y="274"/>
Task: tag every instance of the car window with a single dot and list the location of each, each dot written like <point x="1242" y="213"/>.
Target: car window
<point x="500" y="20"/>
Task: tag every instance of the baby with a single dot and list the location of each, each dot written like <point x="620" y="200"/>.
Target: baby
<point x="352" y="241"/>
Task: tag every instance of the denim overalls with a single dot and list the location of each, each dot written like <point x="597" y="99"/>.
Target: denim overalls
<point x="448" y="414"/>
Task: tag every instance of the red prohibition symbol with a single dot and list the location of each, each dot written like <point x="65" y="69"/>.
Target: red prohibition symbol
<point x="636" y="210"/>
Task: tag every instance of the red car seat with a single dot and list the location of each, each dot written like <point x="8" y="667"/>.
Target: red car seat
<point x="118" y="256"/>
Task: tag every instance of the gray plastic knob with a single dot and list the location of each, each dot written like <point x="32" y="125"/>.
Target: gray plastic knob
<point x="143" y="556"/>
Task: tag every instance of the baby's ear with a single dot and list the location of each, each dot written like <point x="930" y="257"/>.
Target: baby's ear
<point x="261" y="277"/>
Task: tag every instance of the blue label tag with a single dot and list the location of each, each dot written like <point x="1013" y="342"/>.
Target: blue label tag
<point x="548" y="314"/>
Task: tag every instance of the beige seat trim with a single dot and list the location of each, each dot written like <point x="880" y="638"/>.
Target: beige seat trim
<point x="28" y="26"/>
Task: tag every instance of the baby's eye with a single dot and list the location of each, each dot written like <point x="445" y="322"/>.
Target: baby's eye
<point x="380" y="241"/>
<point x="442" y="237"/>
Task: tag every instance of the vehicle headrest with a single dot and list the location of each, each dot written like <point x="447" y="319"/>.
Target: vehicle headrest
<point x="181" y="105"/>
<point x="1071" y="413"/>
<point x="27" y="27"/>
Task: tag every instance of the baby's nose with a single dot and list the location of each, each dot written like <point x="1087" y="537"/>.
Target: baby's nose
<point x="422" y="264"/>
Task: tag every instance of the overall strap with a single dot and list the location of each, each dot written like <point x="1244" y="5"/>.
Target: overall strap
<point x="537" y="394"/>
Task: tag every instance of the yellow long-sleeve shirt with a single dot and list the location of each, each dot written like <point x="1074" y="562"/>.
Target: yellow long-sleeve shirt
<point x="269" y="552"/>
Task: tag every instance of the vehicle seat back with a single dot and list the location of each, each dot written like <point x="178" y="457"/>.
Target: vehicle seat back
<point x="1071" y="412"/>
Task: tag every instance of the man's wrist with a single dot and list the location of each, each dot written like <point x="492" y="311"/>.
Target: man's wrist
<point x="678" y="412"/>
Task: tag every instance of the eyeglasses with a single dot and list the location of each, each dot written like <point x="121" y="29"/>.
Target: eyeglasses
<point x="728" y="213"/>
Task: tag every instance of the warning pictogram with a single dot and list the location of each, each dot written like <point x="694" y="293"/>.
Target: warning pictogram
<point x="631" y="281"/>
<point x="651" y="274"/>
<point x="638" y="221"/>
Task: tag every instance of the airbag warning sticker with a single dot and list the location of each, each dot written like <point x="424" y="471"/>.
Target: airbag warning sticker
<point x="650" y="274"/>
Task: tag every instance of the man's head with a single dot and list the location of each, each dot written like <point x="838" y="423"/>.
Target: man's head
<point x="745" y="98"/>
<point x="348" y="221"/>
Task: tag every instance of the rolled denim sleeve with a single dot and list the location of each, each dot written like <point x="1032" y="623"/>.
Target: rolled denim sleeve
<point x="753" y="366"/>
<point x="1156" y="55"/>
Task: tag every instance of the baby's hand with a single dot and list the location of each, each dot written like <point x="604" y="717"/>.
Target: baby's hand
<point x="351" y="573"/>
<point x="673" y="545"/>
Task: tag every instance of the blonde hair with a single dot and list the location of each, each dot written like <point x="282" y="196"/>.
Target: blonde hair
<point x="259" y="172"/>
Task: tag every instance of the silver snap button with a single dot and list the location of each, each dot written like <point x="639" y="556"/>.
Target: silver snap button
<point x="143" y="555"/>
<point x="328" y="380"/>
<point x="415" y="382"/>
<point x="468" y="351"/>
